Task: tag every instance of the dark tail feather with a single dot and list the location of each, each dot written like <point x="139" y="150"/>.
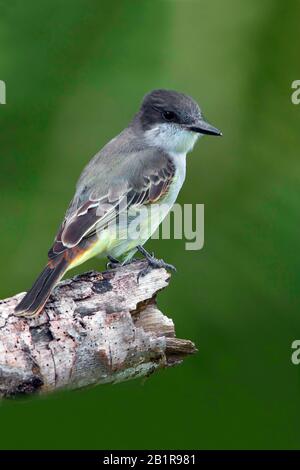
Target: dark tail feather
<point x="38" y="295"/>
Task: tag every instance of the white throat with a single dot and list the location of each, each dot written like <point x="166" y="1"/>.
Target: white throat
<point x="171" y="138"/>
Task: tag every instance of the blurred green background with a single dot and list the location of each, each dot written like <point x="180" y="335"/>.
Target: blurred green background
<point x="75" y="73"/>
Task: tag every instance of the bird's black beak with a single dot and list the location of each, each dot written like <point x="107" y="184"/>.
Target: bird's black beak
<point x="203" y="127"/>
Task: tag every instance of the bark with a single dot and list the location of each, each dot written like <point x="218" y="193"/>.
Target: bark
<point x="96" y="328"/>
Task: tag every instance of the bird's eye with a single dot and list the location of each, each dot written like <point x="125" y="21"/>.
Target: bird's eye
<point x="169" y="116"/>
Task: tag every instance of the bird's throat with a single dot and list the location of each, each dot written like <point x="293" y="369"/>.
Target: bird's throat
<point x="171" y="138"/>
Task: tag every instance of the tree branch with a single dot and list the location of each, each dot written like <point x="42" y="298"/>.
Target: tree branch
<point x="96" y="328"/>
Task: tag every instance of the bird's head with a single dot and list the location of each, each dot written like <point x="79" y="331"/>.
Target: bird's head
<point x="173" y="121"/>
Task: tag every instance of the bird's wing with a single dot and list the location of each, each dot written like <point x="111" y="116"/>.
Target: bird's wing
<point x="105" y="191"/>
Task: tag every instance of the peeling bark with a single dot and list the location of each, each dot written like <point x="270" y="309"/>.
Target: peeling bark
<point x="96" y="328"/>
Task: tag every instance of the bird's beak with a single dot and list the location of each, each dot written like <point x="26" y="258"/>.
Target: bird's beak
<point x="203" y="127"/>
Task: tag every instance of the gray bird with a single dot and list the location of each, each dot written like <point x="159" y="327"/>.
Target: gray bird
<point x="125" y="191"/>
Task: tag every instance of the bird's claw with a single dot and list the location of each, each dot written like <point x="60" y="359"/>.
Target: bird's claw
<point x="154" y="263"/>
<point x="112" y="262"/>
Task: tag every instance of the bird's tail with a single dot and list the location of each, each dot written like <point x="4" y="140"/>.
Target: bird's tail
<point x="37" y="296"/>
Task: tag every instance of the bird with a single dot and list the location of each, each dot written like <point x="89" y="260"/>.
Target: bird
<point x="133" y="180"/>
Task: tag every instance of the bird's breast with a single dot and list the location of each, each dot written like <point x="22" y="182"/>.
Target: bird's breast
<point x="179" y="160"/>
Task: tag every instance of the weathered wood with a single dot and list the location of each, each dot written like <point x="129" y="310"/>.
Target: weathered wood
<point x="96" y="328"/>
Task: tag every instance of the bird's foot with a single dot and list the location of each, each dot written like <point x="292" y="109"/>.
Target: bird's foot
<point x="153" y="263"/>
<point x="112" y="262"/>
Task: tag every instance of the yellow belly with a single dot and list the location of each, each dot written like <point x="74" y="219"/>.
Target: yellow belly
<point x="123" y="239"/>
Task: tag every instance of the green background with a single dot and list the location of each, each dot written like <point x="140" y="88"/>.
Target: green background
<point x="75" y="73"/>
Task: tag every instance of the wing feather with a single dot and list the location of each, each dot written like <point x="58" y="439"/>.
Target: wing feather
<point x="87" y="217"/>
